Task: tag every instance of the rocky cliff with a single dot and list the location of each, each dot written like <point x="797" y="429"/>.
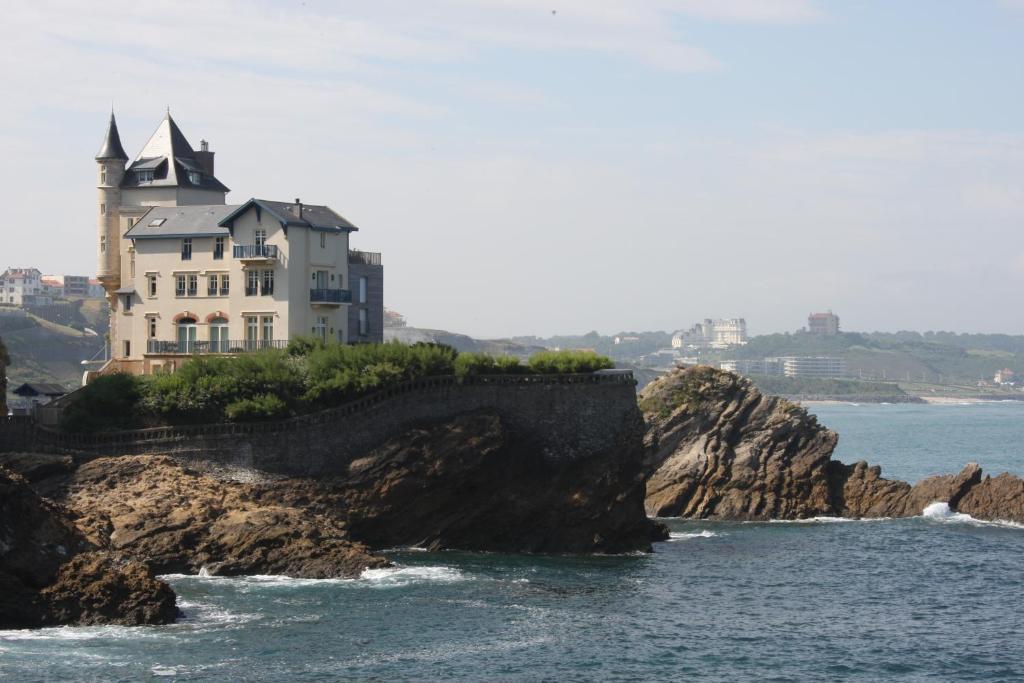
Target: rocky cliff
<point x="469" y="483"/>
<point x="51" y="574"/>
<point x="718" y="448"/>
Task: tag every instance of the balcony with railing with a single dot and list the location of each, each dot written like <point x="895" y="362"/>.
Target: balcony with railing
<point x="366" y="258"/>
<point x="155" y="346"/>
<point x="255" y="252"/>
<point x="330" y="297"/>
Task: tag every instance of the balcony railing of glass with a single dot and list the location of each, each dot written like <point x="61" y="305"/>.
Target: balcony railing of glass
<point x="221" y="346"/>
<point x="330" y="296"/>
<point x="254" y="251"/>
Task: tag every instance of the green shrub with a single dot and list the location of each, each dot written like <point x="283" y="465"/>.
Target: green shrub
<point x="338" y="372"/>
<point x="107" y="403"/>
<point x="308" y="376"/>
<point x="201" y="390"/>
<point x="261" y="407"/>
<point x="303" y="346"/>
<point x="469" y="364"/>
<point x="568" y="362"/>
<point x="510" y="365"/>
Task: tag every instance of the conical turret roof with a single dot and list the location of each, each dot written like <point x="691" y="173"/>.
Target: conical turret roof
<point x="167" y="141"/>
<point x="172" y="162"/>
<point x="112" y="148"/>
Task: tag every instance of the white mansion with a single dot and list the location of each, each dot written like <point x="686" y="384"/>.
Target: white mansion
<point x="186" y="273"/>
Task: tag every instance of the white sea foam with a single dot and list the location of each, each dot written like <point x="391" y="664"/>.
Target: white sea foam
<point x="828" y="520"/>
<point x="682" y="536"/>
<point x="396" y="577"/>
<point x="164" y="671"/>
<point x="81" y="633"/>
<point x="941" y="512"/>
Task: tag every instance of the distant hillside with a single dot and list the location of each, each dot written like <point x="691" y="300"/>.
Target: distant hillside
<point x="907" y="356"/>
<point x="460" y="342"/>
<point x="43" y="351"/>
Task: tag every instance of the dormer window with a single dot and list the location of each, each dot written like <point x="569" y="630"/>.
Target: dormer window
<point x="195" y="177"/>
<point x="144" y="176"/>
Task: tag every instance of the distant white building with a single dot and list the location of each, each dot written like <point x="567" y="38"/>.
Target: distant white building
<point x="21" y="286"/>
<point x="788" y="366"/>
<point x="812" y="366"/>
<point x="713" y="334"/>
<point x="1005" y="376"/>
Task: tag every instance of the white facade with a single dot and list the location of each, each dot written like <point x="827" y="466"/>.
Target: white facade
<point x="186" y="273"/>
<point x="714" y="334"/>
<point x="21" y="286"/>
<point x="788" y="366"/>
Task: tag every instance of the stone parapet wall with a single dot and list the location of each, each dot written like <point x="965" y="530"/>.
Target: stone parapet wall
<point x="563" y="417"/>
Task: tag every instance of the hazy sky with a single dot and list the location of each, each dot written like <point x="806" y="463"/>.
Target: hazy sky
<point x="559" y="166"/>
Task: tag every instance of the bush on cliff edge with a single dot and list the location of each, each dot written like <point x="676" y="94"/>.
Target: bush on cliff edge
<point x="272" y="384"/>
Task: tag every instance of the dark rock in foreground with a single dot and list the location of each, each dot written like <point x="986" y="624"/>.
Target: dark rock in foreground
<point x="717" y="448"/>
<point x="468" y="484"/>
<point x="49" y="576"/>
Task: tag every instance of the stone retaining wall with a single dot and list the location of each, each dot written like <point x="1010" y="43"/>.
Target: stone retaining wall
<point x="563" y="417"/>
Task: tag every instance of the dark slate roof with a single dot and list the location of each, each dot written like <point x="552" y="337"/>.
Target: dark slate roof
<point x="40" y="389"/>
<point x="112" y="148"/>
<point x="200" y="220"/>
<point x="168" y="144"/>
<point x="313" y="216"/>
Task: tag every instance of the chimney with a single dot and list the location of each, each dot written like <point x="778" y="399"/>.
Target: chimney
<point x="298" y="207"/>
<point x="205" y="157"/>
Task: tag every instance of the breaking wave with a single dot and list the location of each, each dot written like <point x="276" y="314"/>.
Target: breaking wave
<point x="682" y="536"/>
<point x="941" y="512"/>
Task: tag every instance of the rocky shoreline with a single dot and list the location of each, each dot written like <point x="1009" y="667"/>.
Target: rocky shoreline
<point x="717" y="448"/>
<point x="466" y="484"/>
<point x="82" y="541"/>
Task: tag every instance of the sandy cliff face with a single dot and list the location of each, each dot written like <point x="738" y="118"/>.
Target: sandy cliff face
<point x="50" y="573"/>
<point x="718" y="448"/>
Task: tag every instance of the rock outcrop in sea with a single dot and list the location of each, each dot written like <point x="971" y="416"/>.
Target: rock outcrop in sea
<point x="717" y="448"/>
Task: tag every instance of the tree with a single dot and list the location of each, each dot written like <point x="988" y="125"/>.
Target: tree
<point x="5" y="360"/>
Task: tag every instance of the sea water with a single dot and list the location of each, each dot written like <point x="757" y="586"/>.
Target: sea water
<point x="939" y="597"/>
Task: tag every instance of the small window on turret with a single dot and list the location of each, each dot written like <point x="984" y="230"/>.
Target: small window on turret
<point x="195" y="178"/>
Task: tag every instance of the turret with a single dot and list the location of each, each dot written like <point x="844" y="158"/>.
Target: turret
<point x="111" y="160"/>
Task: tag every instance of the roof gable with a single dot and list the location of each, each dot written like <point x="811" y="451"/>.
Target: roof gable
<point x="311" y="216"/>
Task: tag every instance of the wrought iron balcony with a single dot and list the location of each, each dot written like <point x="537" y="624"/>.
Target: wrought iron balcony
<point x="156" y="346"/>
<point x="330" y="296"/>
<point x="254" y="252"/>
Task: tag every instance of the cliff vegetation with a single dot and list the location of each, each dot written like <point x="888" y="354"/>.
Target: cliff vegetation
<point x="273" y="384"/>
